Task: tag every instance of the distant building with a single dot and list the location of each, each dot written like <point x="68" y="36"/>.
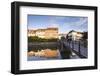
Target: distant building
<point x="44" y="33"/>
<point x="74" y="35"/>
<point x="31" y="32"/>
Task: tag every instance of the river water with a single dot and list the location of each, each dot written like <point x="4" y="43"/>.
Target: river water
<point x="44" y="46"/>
<point x="31" y="58"/>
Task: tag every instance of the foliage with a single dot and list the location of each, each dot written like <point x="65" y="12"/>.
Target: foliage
<point x="63" y="38"/>
<point x="38" y="39"/>
<point x="85" y="35"/>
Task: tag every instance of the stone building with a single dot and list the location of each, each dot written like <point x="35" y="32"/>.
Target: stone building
<point x="44" y="33"/>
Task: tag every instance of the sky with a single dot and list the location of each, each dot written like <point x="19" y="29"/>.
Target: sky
<point x="63" y="23"/>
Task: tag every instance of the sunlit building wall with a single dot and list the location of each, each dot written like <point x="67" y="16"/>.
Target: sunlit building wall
<point x="44" y="33"/>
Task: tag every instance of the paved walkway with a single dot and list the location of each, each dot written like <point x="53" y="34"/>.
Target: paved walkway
<point x="74" y="56"/>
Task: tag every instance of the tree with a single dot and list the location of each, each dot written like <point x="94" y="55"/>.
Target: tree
<point x="85" y="35"/>
<point x="62" y="38"/>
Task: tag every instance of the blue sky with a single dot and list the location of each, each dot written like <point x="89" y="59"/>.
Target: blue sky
<point x="64" y="23"/>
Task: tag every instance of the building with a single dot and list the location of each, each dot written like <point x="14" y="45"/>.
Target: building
<point x="31" y="33"/>
<point x="74" y="35"/>
<point x="44" y="33"/>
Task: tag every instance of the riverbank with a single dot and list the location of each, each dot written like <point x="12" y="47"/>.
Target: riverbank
<point x="42" y="45"/>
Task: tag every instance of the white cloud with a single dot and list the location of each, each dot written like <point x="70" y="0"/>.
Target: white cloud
<point x="53" y="25"/>
<point x="77" y="23"/>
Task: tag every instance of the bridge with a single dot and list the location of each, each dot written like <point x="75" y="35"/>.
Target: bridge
<point x="77" y="49"/>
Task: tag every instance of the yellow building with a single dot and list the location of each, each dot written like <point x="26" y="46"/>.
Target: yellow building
<point x="44" y="33"/>
<point x="31" y="33"/>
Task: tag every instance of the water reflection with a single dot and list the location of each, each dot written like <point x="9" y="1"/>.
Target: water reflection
<point x="46" y="52"/>
<point x="49" y="51"/>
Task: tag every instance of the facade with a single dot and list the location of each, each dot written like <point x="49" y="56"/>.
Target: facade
<point x="44" y="33"/>
<point x="31" y="33"/>
<point x="74" y="35"/>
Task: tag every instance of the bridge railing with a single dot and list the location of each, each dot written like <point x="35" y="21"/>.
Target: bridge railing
<point x="79" y="47"/>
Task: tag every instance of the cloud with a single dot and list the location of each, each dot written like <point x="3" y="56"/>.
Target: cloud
<point x="53" y="25"/>
<point x="80" y="22"/>
<point x="56" y="19"/>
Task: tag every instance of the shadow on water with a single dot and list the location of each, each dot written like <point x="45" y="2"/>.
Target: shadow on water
<point x="65" y="52"/>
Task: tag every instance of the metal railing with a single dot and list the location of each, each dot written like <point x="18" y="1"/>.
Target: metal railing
<point x="79" y="47"/>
